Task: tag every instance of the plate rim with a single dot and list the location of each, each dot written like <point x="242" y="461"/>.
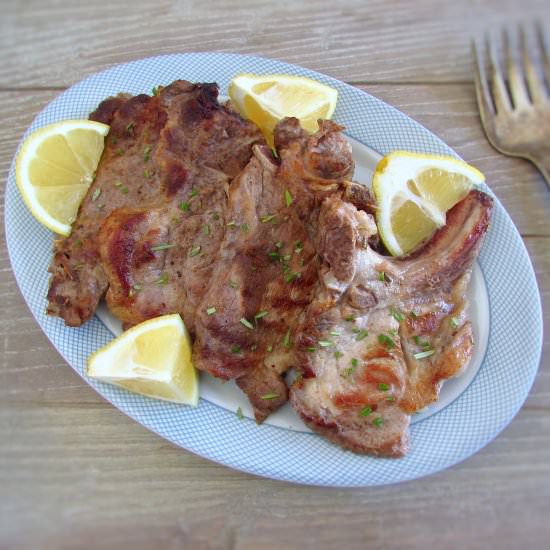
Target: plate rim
<point x="518" y="242"/>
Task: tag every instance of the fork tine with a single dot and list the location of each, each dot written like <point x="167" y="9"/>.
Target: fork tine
<point x="536" y="86"/>
<point x="484" y="100"/>
<point x="500" y="94"/>
<point x="515" y="76"/>
<point x="544" y="52"/>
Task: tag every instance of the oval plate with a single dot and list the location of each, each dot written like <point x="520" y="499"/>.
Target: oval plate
<point x="454" y="433"/>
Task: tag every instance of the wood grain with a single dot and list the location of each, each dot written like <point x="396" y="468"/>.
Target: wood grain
<point x="357" y="41"/>
<point x="77" y="473"/>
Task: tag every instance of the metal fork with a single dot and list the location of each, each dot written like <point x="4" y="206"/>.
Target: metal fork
<point x="515" y="107"/>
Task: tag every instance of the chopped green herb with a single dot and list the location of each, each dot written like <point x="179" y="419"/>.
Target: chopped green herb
<point x="239" y="413"/>
<point x="346" y="373"/>
<point x="163" y="279"/>
<point x="383" y="387"/>
<point x="385" y="340"/>
<point x="413" y="315"/>
<point x="232" y="284"/>
<point x="137" y="287"/>
<point x="286" y="218"/>
<point x="291" y="276"/>
<point x="147" y="153"/>
<point x="156" y="90"/>
<point x="270" y="395"/>
<point x="454" y="322"/>
<point x="246" y="323"/>
<point x="390" y="397"/>
<point x="253" y="347"/>
<point x="164" y="246"/>
<point x="286" y="340"/>
<point x="311" y="350"/>
<point x="298" y="247"/>
<point x="335" y="333"/>
<point x="382" y="276"/>
<point x="100" y="206"/>
<point x="261" y="314"/>
<point x="267" y="218"/>
<point x="231" y="224"/>
<point x="235" y="349"/>
<point x="269" y="349"/>
<point x="254" y="268"/>
<point x="206" y="229"/>
<point x="118" y="183"/>
<point x="288" y="198"/>
<point x="211" y="311"/>
<point x="338" y="354"/>
<point x="125" y="190"/>
<point x="244" y="227"/>
<point x="378" y="422"/>
<point x="185" y="206"/>
<point x="355" y="362"/>
<point x="396" y="314"/>
<point x="120" y="152"/>
<point x="349" y="318"/>
<point x="147" y="173"/>
<point x="279" y="245"/>
<point x="361" y="335"/>
<point x="193" y="193"/>
<point x="215" y="215"/>
<point x="95" y="194"/>
<point x="326" y="343"/>
<point x="195" y="251"/>
<point x="129" y="128"/>
<point x="286" y="258"/>
<point x="416" y="339"/>
<point x="78" y="243"/>
<point x="274" y="255"/>
<point x="365" y="411"/>
<point x="424" y="354"/>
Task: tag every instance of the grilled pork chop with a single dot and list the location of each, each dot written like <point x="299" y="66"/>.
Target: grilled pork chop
<point x="381" y="334"/>
<point x="267" y="266"/>
<point x="155" y="210"/>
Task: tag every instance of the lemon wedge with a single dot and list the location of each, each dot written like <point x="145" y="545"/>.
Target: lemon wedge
<point x="414" y="192"/>
<point x="153" y="359"/>
<point x="266" y="99"/>
<point x="55" y="166"/>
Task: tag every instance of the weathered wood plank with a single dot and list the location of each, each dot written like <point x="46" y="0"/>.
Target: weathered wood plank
<point x="353" y="41"/>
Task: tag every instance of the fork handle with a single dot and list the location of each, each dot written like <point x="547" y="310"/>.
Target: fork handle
<point x="542" y="162"/>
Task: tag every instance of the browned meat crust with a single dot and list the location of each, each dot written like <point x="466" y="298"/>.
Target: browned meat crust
<point x="177" y="147"/>
<point x="267" y="267"/>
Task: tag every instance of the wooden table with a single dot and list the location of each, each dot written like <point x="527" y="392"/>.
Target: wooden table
<point x="76" y="473"/>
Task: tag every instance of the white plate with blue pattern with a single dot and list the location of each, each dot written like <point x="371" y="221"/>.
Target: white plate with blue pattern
<point x="473" y="408"/>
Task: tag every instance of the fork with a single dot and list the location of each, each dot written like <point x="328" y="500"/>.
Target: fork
<point x="515" y="107"/>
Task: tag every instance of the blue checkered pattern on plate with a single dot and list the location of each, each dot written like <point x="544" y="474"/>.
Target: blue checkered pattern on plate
<point x="453" y="434"/>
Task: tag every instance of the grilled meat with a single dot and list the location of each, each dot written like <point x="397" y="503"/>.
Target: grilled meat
<point x="267" y="266"/>
<point x="381" y="334"/>
<point x="162" y="178"/>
